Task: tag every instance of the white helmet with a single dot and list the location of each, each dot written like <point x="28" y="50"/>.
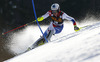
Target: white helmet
<point x="55" y="6"/>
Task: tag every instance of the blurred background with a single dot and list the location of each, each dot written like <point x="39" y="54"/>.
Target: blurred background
<point x="14" y="13"/>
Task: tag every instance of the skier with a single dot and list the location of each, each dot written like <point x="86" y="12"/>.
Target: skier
<point x="56" y="24"/>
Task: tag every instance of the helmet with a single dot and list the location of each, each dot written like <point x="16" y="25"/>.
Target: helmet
<point x="55" y="7"/>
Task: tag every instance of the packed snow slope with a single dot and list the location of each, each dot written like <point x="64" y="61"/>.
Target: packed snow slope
<point x="81" y="46"/>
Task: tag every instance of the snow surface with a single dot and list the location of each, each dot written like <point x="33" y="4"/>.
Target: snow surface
<point x="68" y="46"/>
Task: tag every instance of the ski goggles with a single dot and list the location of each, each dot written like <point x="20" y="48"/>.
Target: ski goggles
<point x="54" y="11"/>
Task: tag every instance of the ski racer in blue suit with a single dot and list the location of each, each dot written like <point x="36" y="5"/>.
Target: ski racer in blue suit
<point x="56" y="25"/>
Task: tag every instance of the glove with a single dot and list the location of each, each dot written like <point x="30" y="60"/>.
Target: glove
<point x="39" y="19"/>
<point x="76" y="28"/>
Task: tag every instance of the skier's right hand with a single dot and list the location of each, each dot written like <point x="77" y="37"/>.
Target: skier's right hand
<point x="40" y="19"/>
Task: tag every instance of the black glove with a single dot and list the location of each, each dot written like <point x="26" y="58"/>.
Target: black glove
<point x="76" y="28"/>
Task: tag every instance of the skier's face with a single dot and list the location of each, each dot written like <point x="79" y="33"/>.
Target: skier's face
<point x="55" y="13"/>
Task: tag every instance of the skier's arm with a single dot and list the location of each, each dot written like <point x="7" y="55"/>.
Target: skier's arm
<point x="65" y="16"/>
<point x="43" y="17"/>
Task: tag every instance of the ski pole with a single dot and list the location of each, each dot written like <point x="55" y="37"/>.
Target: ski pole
<point x="17" y="28"/>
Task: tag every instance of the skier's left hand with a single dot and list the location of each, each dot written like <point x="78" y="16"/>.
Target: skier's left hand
<point x="76" y="28"/>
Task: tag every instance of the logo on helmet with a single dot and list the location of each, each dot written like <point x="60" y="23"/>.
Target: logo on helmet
<point x="53" y="6"/>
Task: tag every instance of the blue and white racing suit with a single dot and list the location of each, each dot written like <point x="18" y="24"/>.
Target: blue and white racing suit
<point x="56" y="25"/>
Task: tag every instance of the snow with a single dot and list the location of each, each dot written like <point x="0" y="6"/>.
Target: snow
<point x="68" y="46"/>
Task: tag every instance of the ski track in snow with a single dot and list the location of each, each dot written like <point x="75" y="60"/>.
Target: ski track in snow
<point x="81" y="46"/>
